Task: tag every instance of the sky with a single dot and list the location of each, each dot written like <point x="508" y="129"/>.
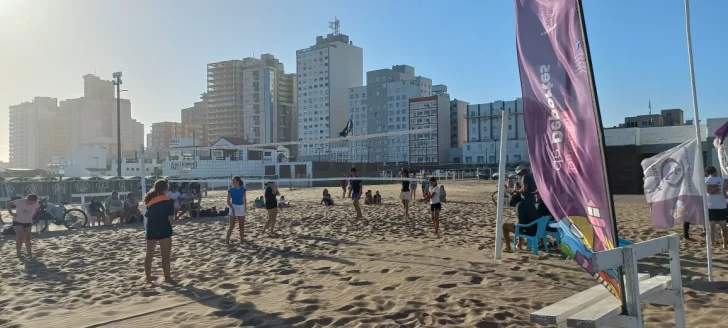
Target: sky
<point x="162" y="47"/>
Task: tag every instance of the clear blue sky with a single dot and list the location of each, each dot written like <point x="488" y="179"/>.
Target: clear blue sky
<point x="162" y="46"/>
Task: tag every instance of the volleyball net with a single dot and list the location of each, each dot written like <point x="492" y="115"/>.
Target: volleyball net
<point x="378" y="159"/>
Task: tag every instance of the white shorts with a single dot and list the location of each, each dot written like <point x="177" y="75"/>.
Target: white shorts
<point x="405" y="195"/>
<point x="237" y="210"/>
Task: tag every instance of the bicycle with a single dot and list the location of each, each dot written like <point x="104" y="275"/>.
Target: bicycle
<point x="69" y="218"/>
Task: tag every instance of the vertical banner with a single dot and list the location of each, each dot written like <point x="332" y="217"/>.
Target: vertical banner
<point x="672" y="186"/>
<point x="719" y="143"/>
<point x="562" y="129"/>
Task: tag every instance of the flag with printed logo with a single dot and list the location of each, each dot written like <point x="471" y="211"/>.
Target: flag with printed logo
<point x="672" y="185"/>
<point x="720" y="146"/>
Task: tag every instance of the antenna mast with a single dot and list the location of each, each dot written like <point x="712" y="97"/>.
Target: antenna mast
<point x="335" y="26"/>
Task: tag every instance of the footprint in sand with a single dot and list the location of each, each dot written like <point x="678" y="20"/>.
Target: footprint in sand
<point x="447" y="285"/>
<point x="413" y="278"/>
<point x="476" y="280"/>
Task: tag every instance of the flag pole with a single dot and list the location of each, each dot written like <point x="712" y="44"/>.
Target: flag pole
<point x="602" y="144"/>
<point x="501" y="185"/>
<point x="696" y="122"/>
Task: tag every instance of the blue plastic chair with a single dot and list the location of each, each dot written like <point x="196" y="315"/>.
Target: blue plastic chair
<point x="555" y="234"/>
<point x="541" y="225"/>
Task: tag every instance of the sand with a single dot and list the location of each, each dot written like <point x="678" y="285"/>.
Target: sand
<point x="325" y="269"/>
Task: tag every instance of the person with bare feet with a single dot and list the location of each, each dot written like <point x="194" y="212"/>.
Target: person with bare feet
<point x="405" y="193"/>
<point x="237" y="201"/>
<point x="160" y="211"/>
<point x="271" y="204"/>
<point x="25" y="209"/>
<point x="344" y="183"/>
<point x="356" y="192"/>
<point x="717" y="207"/>
<point x="527" y="213"/>
<point x="433" y="194"/>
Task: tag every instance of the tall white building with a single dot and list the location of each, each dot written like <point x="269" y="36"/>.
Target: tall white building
<point x="429" y="113"/>
<point x="484" y="130"/>
<point x="383" y="107"/>
<point x="325" y="72"/>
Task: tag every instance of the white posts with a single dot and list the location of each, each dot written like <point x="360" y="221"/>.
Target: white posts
<point x="501" y="185"/>
<point x="142" y="164"/>
<point x="699" y="165"/>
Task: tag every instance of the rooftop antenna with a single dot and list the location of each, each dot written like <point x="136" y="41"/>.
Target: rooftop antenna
<point x="649" y="105"/>
<point x="335" y="26"/>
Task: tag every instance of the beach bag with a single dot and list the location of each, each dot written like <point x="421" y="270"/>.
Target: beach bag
<point x="8" y="231"/>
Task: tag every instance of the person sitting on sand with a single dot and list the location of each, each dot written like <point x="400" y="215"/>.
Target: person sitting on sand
<point x="259" y="202"/>
<point x="368" y="199"/>
<point x="114" y="208"/>
<point x="326" y="199"/>
<point x="443" y="194"/>
<point x="25" y="209"/>
<point x="377" y="198"/>
<point x="188" y="204"/>
<point x="96" y="209"/>
<point x="160" y="211"/>
<point x="283" y="202"/>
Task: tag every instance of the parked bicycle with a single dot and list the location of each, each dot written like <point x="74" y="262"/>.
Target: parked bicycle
<point x="508" y="193"/>
<point x="69" y="217"/>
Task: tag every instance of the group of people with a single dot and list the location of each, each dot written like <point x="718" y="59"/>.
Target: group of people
<point x="528" y="208"/>
<point x="127" y="211"/>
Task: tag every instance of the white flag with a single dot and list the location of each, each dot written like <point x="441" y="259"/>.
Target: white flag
<point x="672" y="186"/>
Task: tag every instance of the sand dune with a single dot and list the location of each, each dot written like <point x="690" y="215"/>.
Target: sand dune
<point x="325" y="269"/>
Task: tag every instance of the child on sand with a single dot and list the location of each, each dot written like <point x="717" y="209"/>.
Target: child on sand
<point x="356" y="188"/>
<point x="23" y="221"/>
<point x="283" y="202"/>
<point x="368" y="199"/>
<point x="326" y="198"/>
<point x="97" y="210"/>
<point x="160" y="210"/>
<point x="236" y="202"/>
<point x="433" y="194"/>
<point x="271" y="204"/>
<point x="377" y="198"/>
<point x="405" y="193"/>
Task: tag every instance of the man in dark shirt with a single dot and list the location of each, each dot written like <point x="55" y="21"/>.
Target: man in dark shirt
<point x="356" y="193"/>
<point x="528" y="184"/>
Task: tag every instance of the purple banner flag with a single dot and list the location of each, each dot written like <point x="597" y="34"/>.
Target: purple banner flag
<point x="562" y="129"/>
<point x="720" y="146"/>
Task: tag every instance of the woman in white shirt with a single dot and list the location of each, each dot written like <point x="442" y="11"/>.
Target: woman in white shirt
<point x="717" y="206"/>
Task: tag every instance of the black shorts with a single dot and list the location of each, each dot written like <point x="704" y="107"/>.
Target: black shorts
<point x="717" y="214"/>
<point x="435" y="207"/>
<point x="24" y="225"/>
<point x="271" y="205"/>
<point x="157" y="230"/>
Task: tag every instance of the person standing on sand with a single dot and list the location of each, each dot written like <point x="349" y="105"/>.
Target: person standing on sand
<point x="413" y="187"/>
<point x="344" y="183"/>
<point x="271" y="204"/>
<point x="356" y="192"/>
<point x="435" y="205"/>
<point x="717" y="207"/>
<point x="237" y="201"/>
<point x="25" y="209"/>
<point x="160" y="210"/>
<point x="405" y="193"/>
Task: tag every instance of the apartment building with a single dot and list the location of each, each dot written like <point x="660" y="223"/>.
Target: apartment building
<point x="244" y="98"/>
<point x="484" y="131"/>
<point x="32" y="133"/>
<point x="197" y="116"/>
<point x="431" y="112"/>
<point x="162" y="132"/>
<point x="325" y="72"/>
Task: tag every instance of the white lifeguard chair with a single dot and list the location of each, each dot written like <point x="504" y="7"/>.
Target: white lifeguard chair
<point x="596" y="307"/>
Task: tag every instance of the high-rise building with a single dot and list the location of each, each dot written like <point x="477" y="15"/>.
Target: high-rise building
<point x="32" y="133"/>
<point x="458" y="123"/>
<point x="91" y="119"/>
<point x="196" y="115"/>
<point x="243" y="99"/>
<point x="427" y="113"/>
<point x="382" y="106"/>
<point x="484" y="131"/>
<point x="325" y="72"/>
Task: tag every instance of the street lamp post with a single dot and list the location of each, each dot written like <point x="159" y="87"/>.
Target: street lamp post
<point x="117" y="83"/>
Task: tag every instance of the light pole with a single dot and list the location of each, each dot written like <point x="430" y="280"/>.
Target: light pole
<point x="117" y="83"/>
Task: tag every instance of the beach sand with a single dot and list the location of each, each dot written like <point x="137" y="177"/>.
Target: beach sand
<point x="326" y="269"/>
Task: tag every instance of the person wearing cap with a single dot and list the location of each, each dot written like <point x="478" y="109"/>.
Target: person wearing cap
<point x="528" y="184"/>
